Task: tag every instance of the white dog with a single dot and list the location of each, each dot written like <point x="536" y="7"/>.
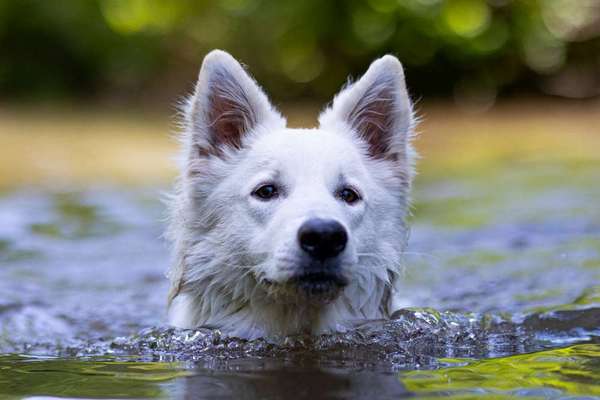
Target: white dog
<point x="280" y="231"/>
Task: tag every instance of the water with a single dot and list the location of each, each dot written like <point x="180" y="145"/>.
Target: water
<point x="502" y="298"/>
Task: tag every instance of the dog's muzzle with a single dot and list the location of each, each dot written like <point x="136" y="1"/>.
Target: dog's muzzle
<point x="319" y="276"/>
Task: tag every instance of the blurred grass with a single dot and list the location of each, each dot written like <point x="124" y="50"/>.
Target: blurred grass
<point x="63" y="147"/>
<point x="81" y="147"/>
<point x="452" y="141"/>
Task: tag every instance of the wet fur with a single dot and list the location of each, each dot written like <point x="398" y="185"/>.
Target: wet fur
<point x="219" y="276"/>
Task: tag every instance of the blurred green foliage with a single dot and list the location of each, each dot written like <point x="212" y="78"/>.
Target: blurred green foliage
<point x="471" y="49"/>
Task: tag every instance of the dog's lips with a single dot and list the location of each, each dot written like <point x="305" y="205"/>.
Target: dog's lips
<point x="319" y="283"/>
<point x="321" y="277"/>
<point x="315" y="285"/>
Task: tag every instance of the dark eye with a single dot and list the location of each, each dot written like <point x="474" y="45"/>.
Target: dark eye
<point x="349" y="195"/>
<point x="266" y="192"/>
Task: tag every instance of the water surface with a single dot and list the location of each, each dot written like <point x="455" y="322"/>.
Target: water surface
<point x="502" y="292"/>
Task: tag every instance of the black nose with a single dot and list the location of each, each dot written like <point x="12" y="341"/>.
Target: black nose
<point x="322" y="238"/>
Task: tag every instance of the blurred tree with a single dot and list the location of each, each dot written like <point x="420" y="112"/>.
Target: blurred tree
<point x="471" y="49"/>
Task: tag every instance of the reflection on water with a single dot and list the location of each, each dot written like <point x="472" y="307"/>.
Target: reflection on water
<point x="571" y="371"/>
<point x="502" y="295"/>
<point x="28" y="376"/>
<point x="276" y="380"/>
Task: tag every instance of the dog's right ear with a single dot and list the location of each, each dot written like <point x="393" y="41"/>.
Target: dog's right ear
<point x="227" y="105"/>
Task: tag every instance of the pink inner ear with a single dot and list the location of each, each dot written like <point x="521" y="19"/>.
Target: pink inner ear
<point x="373" y="118"/>
<point x="226" y="125"/>
<point x="229" y="114"/>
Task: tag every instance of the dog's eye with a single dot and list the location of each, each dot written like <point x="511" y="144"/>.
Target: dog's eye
<point x="349" y="195"/>
<point x="266" y="192"/>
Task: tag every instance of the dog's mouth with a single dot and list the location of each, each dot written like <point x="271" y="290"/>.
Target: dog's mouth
<point x="319" y="285"/>
<point x="315" y="287"/>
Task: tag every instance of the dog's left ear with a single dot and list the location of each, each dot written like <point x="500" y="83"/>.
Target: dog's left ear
<point x="377" y="109"/>
<point x="227" y="106"/>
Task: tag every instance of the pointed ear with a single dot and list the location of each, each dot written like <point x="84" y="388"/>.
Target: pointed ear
<point x="377" y="109"/>
<point x="226" y="106"/>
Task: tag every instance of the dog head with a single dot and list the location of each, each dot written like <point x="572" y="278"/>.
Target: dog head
<point x="299" y="215"/>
